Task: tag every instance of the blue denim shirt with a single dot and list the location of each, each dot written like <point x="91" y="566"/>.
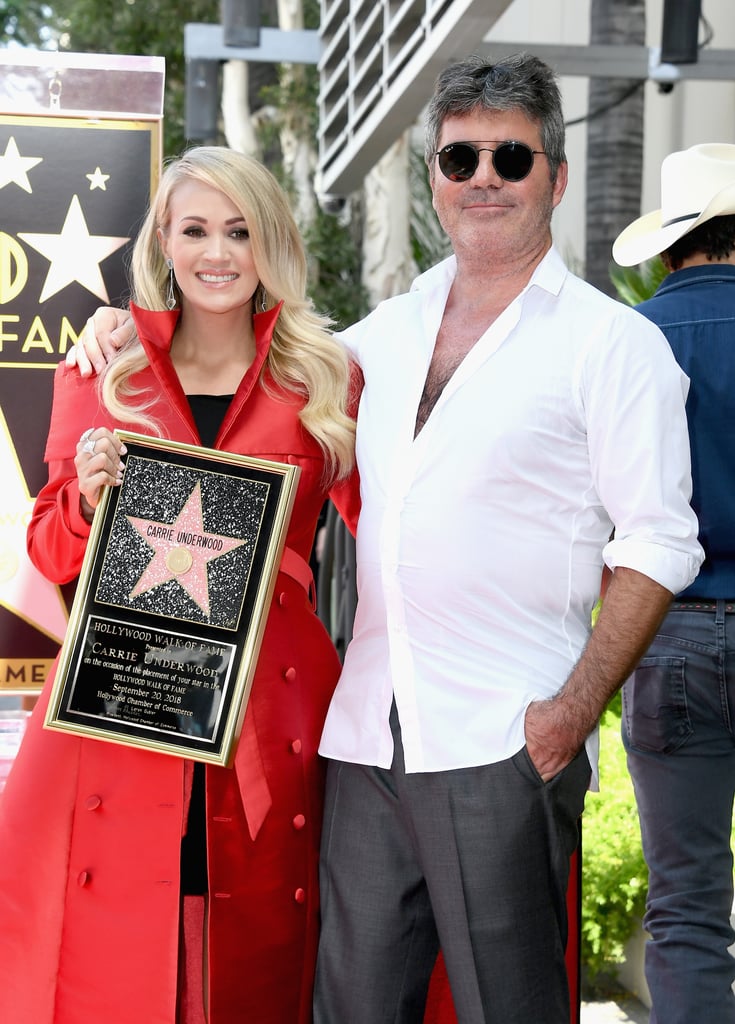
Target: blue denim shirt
<point x="695" y="308"/>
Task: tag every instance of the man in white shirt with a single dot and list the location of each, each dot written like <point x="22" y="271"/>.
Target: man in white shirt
<point x="513" y="419"/>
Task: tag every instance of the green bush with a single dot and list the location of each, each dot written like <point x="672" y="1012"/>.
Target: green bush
<point x="614" y="873"/>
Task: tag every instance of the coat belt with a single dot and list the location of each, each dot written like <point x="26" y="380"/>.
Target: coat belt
<point x="299" y="569"/>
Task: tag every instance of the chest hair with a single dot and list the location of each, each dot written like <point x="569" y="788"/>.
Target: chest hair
<point x="453" y="342"/>
<point x="439" y="375"/>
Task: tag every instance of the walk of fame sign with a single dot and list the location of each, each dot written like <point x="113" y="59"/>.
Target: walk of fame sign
<point x="172" y="600"/>
<point x="80" y="152"/>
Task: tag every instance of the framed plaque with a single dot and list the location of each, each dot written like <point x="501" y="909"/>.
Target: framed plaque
<point x="172" y="600"/>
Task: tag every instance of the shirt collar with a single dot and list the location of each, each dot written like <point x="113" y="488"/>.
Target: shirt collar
<point x="551" y="273"/>
<point x="707" y="272"/>
<point x="548" y="275"/>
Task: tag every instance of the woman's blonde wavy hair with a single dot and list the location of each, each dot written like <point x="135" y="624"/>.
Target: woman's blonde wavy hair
<point x="304" y="358"/>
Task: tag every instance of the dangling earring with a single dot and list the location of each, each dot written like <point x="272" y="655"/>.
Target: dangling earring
<point x="170" y="291"/>
<point x="262" y="299"/>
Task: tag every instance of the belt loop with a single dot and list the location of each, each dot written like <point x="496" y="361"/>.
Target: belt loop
<point x="299" y="569"/>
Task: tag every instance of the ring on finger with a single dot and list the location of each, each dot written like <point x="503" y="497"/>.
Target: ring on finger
<point x="86" y="441"/>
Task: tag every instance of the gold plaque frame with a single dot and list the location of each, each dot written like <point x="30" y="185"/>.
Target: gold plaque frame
<point x="172" y="600"/>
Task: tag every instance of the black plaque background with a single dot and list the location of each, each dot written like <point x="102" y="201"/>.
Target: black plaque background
<point x="155" y="670"/>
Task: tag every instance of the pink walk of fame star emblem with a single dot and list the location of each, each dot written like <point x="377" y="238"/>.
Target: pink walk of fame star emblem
<point x="182" y="550"/>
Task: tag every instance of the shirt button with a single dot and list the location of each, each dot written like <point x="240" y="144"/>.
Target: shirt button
<point x="83" y="878"/>
<point x="296" y="747"/>
<point x="289" y="674"/>
<point x="300" y="895"/>
<point x="92" y="803"/>
<point x="299" y="822"/>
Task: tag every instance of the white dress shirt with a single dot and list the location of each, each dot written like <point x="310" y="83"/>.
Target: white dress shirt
<point x="480" y="541"/>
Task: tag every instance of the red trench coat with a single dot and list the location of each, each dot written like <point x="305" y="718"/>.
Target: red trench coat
<point x="90" y="831"/>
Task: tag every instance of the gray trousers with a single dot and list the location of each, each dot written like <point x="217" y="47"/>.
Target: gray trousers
<point x="475" y="861"/>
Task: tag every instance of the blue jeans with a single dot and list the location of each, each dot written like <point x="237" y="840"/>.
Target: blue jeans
<point x="678" y="711"/>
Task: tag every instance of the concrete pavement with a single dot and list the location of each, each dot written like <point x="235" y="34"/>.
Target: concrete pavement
<point x="625" y="1010"/>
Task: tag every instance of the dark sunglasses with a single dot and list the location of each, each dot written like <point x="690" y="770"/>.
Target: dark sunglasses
<point x="512" y="160"/>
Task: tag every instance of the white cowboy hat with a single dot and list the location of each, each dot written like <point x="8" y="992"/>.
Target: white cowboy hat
<point x="696" y="185"/>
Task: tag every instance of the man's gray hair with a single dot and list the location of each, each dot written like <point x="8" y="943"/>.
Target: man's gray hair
<point x="519" y="82"/>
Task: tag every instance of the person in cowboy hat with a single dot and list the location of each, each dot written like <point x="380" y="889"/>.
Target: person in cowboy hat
<point x="679" y="704"/>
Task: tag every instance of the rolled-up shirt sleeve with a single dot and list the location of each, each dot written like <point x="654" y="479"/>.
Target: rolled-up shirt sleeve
<point x="633" y="390"/>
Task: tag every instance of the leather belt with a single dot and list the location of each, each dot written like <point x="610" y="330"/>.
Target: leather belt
<point x="701" y="605"/>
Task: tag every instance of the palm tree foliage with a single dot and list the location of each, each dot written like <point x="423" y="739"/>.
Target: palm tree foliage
<point x="636" y="284"/>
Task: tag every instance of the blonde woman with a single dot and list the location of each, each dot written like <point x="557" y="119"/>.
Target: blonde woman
<point x="134" y="886"/>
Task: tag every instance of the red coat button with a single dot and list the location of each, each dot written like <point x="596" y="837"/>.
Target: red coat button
<point x="83" y="878"/>
<point x="299" y="821"/>
<point x="300" y="895"/>
<point x="93" y="802"/>
<point x="289" y="674"/>
<point x="283" y="599"/>
<point x="296" y="747"/>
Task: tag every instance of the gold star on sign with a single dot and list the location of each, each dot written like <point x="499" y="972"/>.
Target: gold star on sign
<point x="98" y="180"/>
<point x="13" y="166"/>
<point x="74" y="254"/>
